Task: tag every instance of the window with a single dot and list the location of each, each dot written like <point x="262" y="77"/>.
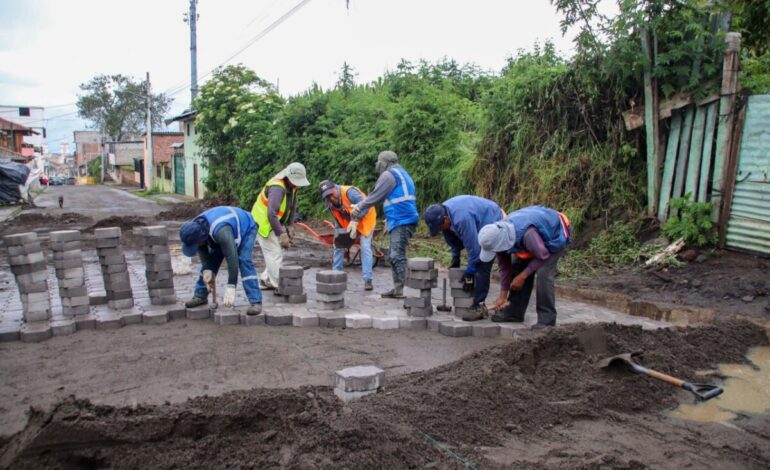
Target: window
<point x="24" y="112"/>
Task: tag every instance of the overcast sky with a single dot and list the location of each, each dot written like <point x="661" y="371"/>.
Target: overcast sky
<point x="49" y="47"/>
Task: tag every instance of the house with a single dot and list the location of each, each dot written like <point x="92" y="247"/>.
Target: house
<point x="120" y="161"/>
<point x="31" y="117"/>
<point x="189" y="170"/>
<point x="13" y="145"/>
<point x="164" y="145"/>
<point x="87" y="147"/>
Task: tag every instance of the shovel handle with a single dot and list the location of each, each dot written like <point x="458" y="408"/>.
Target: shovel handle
<point x="659" y="375"/>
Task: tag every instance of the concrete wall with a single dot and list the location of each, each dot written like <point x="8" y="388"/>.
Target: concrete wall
<point x="192" y="157"/>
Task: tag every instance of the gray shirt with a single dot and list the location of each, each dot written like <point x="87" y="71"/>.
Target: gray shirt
<point x="274" y="199"/>
<point x="384" y="186"/>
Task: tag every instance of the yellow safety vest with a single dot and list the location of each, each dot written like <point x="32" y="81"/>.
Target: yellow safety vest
<point x="259" y="211"/>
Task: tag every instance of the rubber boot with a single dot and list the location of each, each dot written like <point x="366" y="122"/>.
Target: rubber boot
<point x="396" y="293"/>
<point x="254" y="309"/>
<point x="195" y="302"/>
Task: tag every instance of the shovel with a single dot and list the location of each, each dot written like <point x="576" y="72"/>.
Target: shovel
<point x="702" y="392"/>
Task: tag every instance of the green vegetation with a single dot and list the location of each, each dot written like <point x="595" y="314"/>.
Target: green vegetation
<point x="691" y="221"/>
<point x="94" y="168"/>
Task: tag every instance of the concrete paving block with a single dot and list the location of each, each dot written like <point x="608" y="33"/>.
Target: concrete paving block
<point x="224" y="316"/>
<point x="420" y="302"/>
<point x="114" y="268"/>
<point x="331" y="277"/>
<point x="412" y="323"/>
<point x="71" y="273"/>
<point x="330" y="297"/>
<point x="420" y="311"/>
<point x="60" y="236"/>
<point x="29" y="268"/>
<point x="331" y="305"/>
<point x="304" y="319"/>
<point x="34" y="332"/>
<point x="97" y="298"/>
<point x="107" y="243"/>
<point x="160" y="275"/>
<point x="155" y="241"/>
<point x="131" y="316"/>
<point x="10" y="333"/>
<point x="359" y="378"/>
<point x="62" y="255"/>
<point x="252" y="320"/>
<point x="510" y="329"/>
<point x="456" y="284"/>
<point x="358" y="321"/>
<point x="297" y="298"/>
<point x="455" y="329"/>
<point x="31" y="258"/>
<point x="278" y="318"/>
<point x="108" y="320"/>
<point x="120" y="304"/>
<point x="161" y="292"/>
<point x="107" y="260"/>
<point x="176" y="312"/>
<point x="164" y="284"/>
<point x="291" y="272"/>
<point x="428" y="275"/>
<point x="331" y="319"/>
<point x="25" y="249"/>
<point x="462" y="302"/>
<point x="72" y="282"/>
<point x="116" y="278"/>
<point x="154" y="316"/>
<point x="434" y="321"/>
<point x="75" y="301"/>
<point x="37" y="315"/>
<point x="85" y="322"/>
<point x="420" y="264"/>
<point x="33" y="277"/>
<point x="385" y="323"/>
<point x="107" y="252"/>
<point x="331" y="288"/>
<point x="199" y="313"/>
<point x="352" y="396"/>
<point x="163" y="300"/>
<point x="68" y="263"/>
<point x="156" y="250"/>
<point x="64" y="327"/>
<point x="75" y="311"/>
<point x="291" y="290"/>
<point x="34" y="297"/>
<point x="107" y="232"/>
<point x="459" y="312"/>
<point x="421" y="283"/>
<point x="460" y="294"/>
<point x="159" y="258"/>
<point x="155" y="231"/>
<point x="20" y="238"/>
<point x="289" y="282"/>
<point x="485" y="329"/>
<point x="41" y="286"/>
<point x="456" y="274"/>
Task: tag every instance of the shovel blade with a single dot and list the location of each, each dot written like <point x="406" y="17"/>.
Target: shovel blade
<point x="626" y="358"/>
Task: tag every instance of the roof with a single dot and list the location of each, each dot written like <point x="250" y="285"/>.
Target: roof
<point x="177" y="145"/>
<point x="7" y="125"/>
<point x="165" y="134"/>
<point x="187" y="115"/>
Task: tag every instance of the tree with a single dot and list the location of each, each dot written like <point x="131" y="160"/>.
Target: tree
<point x="346" y="81"/>
<point x="116" y="105"/>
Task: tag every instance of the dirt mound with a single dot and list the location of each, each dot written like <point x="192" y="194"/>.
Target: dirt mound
<point x="34" y="220"/>
<point x="188" y="210"/>
<point x="124" y="222"/>
<point x="529" y="390"/>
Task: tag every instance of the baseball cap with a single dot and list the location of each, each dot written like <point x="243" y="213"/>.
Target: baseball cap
<point x="326" y="187"/>
<point x="191" y="234"/>
<point x="433" y="217"/>
<point x="495" y="238"/>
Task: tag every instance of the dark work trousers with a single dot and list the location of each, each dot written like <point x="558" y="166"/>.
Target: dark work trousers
<point x="546" y="292"/>
<point x="483" y="272"/>
<point x="399" y="240"/>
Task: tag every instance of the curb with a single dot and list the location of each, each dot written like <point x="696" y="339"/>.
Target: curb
<point x="679" y="315"/>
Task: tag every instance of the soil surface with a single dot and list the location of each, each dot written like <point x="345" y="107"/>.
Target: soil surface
<point x="535" y="403"/>
<point x="727" y="281"/>
<point x="188" y="210"/>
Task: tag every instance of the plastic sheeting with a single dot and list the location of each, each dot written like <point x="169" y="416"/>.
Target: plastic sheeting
<point x="12" y="177"/>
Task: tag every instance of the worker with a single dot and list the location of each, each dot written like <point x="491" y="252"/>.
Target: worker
<point x="274" y="212"/>
<point x="460" y="219"/>
<point x="223" y="233"/>
<point x="339" y="200"/>
<point x="395" y="189"/>
<point x="536" y="236"/>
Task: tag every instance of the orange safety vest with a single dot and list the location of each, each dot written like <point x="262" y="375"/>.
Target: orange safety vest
<point x="365" y="225"/>
<point x="564" y="224"/>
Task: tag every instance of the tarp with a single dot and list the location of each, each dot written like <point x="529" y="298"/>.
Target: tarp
<point x="12" y="177"/>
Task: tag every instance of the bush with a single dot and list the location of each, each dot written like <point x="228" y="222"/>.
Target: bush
<point x="691" y="221"/>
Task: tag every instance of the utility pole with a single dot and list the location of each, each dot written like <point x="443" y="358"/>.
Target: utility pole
<point x="192" y="19"/>
<point x="149" y="168"/>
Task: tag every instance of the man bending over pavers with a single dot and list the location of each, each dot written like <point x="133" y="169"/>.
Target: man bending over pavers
<point x="395" y="190"/>
<point x="339" y="200"/>
<point x="217" y="234"/>
<point x="460" y="219"/>
<point x="527" y="243"/>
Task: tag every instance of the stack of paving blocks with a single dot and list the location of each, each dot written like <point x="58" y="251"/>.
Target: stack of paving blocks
<point x="290" y="287"/>
<point x="68" y="261"/>
<point x="461" y="300"/>
<point x="331" y="287"/>
<point x="356" y="382"/>
<point x="25" y="255"/>
<point x="117" y="284"/>
<point x="157" y="260"/>
<point x="423" y="276"/>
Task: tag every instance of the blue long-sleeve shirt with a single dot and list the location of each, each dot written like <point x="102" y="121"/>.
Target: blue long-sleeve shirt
<point x="468" y="214"/>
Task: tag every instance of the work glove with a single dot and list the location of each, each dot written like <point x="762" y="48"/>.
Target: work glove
<point x="469" y="282"/>
<point x="355" y="210"/>
<point x="353" y="228"/>
<point x="229" y="299"/>
<point x="285" y="242"/>
<point x="455" y="262"/>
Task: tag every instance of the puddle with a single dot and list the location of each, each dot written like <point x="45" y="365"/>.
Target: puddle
<point x="747" y="391"/>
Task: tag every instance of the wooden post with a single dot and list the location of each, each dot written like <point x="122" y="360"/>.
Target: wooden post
<point x="725" y="122"/>
<point x="652" y="131"/>
<point x="731" y="166"/>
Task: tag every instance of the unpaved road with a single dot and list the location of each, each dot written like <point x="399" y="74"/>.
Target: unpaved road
<point x="95" y="201"/>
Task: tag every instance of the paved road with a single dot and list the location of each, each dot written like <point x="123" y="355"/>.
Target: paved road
<point x="95" y="201"/>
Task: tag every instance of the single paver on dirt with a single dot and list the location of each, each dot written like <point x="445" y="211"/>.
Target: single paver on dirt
<point x="536" y="403"/>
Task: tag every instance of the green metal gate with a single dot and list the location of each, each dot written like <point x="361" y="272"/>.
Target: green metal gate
<point x="179" y="173"/>
<point x="748" y="227"/>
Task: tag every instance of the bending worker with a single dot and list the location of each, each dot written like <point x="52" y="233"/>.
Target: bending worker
<point x="273" y="211"/>
<point x="395" y="189"/>
<point x="339" y="200"/>
<point x="528" y="244"/>
<point x="223" y="233"/>
<point x="460" y="219"/>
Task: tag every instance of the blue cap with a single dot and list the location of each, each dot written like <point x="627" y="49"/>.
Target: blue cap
<point x="496" y="238"/>
<point x="433" y="217"/>
<point x="192" y="233"/>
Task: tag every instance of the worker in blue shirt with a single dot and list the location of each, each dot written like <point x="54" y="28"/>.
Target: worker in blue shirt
<point x="460" y="219"/>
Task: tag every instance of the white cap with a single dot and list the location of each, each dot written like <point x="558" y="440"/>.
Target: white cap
<point x="296" y="174"/>
<point x="496" y="238"/>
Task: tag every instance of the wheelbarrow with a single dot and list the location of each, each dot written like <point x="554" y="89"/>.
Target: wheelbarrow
<point x="340" y="239"/>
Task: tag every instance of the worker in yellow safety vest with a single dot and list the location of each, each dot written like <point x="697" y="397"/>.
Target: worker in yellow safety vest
<point x="339" y="201"/>
<point x="273" y="211"/>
